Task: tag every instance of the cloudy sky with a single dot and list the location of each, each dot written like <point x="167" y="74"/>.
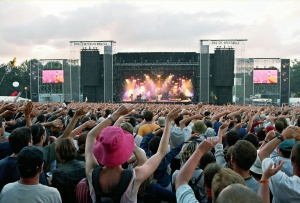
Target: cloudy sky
<point x="43" y="29"/>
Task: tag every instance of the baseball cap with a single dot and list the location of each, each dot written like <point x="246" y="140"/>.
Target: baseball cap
<point x="287" y="145"/>
<point x="30" y="157"/>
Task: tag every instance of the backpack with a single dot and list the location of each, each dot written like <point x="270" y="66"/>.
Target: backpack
<point x="193" y="183"/>
<point x="116" y="195"/>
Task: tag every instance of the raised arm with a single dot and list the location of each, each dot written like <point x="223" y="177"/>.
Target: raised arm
<point x="218" y="116"/>
<point x="199" y="107"/>
<point x="9" y="107"/>
<point x="264" y="189"/>
<point x="144" y="171"/>
<point x="188" y="168"/>
<point x="27" y="112"/>
<point x="184" y="121"/>
<point x="91" y="161"/>
<point x="219" y="151"/>
<point x="87" y="124"/>
<point x="293" y="118"/>
<point x="140" y="155"/>
<point x="80" y="112"/>
<point x="289" y="133"/>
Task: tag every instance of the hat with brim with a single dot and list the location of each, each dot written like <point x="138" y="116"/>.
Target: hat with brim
<point x="199" y="127"/>
<point x="256" y="167"/>
<point x="210" y="132"/>
<point x="113" y="147"/>
<point x="161" y="121"/>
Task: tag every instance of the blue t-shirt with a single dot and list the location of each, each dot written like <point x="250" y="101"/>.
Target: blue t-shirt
<point x="5" y="150"/>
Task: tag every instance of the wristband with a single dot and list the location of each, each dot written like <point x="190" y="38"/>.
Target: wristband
<point x="281" y="137"/>
<point x="112" y="120"/>
<point x="266" y="141"/>
<point x="263" y="181"/>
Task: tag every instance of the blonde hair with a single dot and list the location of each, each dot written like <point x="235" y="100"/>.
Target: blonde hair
<point x="187" y="150"/>
<point x="222" y="179"/>
<point x="150" y="180"/>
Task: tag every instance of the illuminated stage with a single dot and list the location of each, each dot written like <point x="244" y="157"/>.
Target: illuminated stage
<point x="157" y="86"/>
<point x="156" y="77"/>
<point x="160" y="102"/>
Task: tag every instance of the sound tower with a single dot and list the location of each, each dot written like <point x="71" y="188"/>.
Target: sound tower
<point x="34" y="80"/>
<point x="285" y="81"/>
<point x="223" y="74"/>
<point x="92" y="81"/>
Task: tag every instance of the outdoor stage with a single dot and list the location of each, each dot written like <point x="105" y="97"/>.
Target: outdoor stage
<point x="158" y="102"/>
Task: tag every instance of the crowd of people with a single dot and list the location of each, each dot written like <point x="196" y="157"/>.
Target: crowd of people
<point x="147" y="152"/>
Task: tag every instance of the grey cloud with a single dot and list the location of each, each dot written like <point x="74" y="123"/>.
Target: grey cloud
<point x="136" y="30"/>
<point x="122" y="22"/>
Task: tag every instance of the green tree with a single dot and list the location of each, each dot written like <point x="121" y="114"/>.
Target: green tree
<point x="19" y="74"/>
<point x="295" y="77"/>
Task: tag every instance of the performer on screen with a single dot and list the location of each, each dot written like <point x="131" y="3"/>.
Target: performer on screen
<point x="131" y="97"/>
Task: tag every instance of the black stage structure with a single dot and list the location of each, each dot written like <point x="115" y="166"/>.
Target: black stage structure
<point x="178" y="64"/>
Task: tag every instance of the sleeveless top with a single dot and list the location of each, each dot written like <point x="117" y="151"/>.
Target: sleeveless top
<point x="130" y="190"/>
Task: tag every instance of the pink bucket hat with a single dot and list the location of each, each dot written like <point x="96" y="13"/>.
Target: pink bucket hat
<point x="113" y="147"/>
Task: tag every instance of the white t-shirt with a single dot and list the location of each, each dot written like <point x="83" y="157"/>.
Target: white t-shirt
<point x="283" y="187"/>
<point x="20" y="193"/>
<point x="184" y="193"/>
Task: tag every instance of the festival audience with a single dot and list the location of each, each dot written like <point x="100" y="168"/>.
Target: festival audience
<point x="104" y="136"/>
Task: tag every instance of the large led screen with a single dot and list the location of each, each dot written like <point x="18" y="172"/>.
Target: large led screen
<point x="265" y="76"/>
<point x="52" y="76"/>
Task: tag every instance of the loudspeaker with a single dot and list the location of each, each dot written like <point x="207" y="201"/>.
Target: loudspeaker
<point x="223" y="94"/>
<point x="91" y="68"/>
<point x="34" y="80"/>
<point x="92" y="76"/>
<point x="204" y="77"/>
<point x="285" y="81"/>
<point x="223" y="67"/>
<point x="92" y="94"/>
